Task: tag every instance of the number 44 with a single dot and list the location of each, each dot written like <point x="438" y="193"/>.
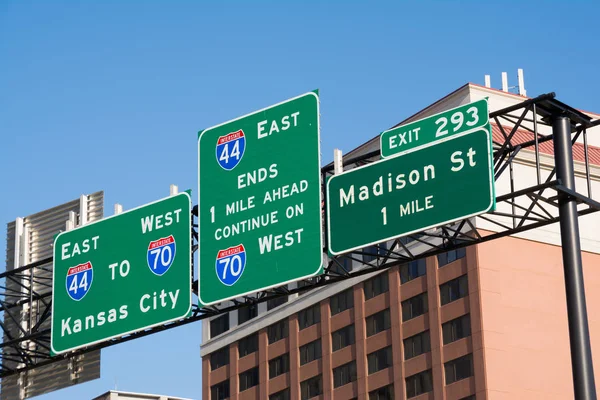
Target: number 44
<point x="235" y="152"/>
<point x="83" y="284"/>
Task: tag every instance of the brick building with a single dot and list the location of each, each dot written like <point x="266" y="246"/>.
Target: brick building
<point x="485" y="322"/>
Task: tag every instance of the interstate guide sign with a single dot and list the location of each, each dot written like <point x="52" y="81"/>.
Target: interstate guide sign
<point x="259" y="200"/>
<point x="122" y="274"/>
<point x="439" y="183"/>
<point x="417" y="134"/>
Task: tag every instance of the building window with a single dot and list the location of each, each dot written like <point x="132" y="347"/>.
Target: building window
<point x="341" y="301"/>
<point x="378" y="322"/>
<point x="220" y="391"/>
<point x="408" y="239"/>
<point x="308" y="283"/>
<point x="342" y="265"/>
<point x="454" y="290"/>
<point x="369" y="254"/>
<point x="219" y="325"/>
<point x="309" y="316"/>
<point x="310" y="352"/>
<point x="277" y="331"/>
<point x="459" y="368"/>
<point x="414" y="306"/>
<point x="418" y="384"/>
<point x="282" y="395"/>
<point x="219" y="358"/>
<point x="456" y="329"/>
<point x="412" y="270"/>
<point x="279" y="365"/>
<point x="376" y="285"/>
<point x="342" y="337"/>
<point x="344" y="374"/>
<point x="248" y="345"/>
<point x="373" y="252"/>
<point x="311" y="387"/>
<point x="450" y="256"/>
<point x="382" y="393"/>
<point x="471" y="397"/>
<point x="247" y="313"/>
<point x="276" y="302"/>
<point x="416" y="345"/>
<point x="248" y="379"/>
<point x="380" y="359"/>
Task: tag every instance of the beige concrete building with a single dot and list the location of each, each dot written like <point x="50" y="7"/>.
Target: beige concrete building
<point x="485" y="322"/>
<point x="121" y="395"/>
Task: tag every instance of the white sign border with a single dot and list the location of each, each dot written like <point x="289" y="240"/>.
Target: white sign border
<point x="488" y="208"/>
<point x="54" y="352"/>
<point x="201" y="134"/>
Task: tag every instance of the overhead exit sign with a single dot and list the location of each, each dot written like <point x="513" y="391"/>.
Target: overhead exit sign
<point x="420" y="133"/>
<point x="439" y="183"/>
<point x="122" y="274"/>
<point x="259" y="204"/>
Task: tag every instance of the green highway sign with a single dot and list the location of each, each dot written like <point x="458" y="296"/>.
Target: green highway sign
<point x="420" y="133"/>
<point x="442" y="182"/>
<point x="122" y="274"/>
<point x="259" y="205"/>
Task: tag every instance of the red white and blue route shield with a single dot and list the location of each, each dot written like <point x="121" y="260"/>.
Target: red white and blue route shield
<point x="230" y="149"/>
<point x="161" y="254"/>
<point x="230" y="264"/>
<point x="79" y="280"/>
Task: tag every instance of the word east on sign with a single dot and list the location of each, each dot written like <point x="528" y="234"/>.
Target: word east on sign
<point x="259" y="204"/>
<point x="122" y="274"/>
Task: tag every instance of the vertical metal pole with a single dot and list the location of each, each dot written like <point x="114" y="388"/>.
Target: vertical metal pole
<point x="579" y="335"/>
<point x="587" y="163"/>
<point x="512" y="190"/>
<point x="537" y="146"/>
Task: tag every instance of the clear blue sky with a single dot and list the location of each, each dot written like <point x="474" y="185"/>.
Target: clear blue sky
<point x="110" y="96"/>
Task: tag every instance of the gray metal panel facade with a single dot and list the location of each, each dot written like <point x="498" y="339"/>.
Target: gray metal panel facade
<point x="35" y="244"/>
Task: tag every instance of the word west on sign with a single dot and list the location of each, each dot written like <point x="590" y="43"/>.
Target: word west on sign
<point x="259" y="205"/>
<point x="122" y="274"/>
<point x="443" y="182"/>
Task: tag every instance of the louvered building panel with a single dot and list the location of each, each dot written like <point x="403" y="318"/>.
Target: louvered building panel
<point x="27" y="300"/>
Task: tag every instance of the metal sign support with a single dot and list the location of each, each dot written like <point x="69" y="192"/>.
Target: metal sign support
<point x="579" y="335"/>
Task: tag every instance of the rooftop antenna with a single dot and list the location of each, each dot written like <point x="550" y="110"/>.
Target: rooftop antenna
<point x="521" y="86"/>
<point x="504" y="82"/>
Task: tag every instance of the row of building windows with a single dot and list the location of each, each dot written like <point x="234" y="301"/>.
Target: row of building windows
<point x="454" y="370"/>
<point x="221" y="324"/>
<point x="418" y="344"/>
<point x="345" y="300"/>
<point x="379" y="251"/>
<point x="375" y="323"/>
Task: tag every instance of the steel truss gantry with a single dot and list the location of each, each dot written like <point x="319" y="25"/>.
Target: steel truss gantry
<point x="517" y="211"/>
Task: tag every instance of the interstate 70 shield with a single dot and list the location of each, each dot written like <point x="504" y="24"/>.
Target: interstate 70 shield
<point x="161" y="254"/>
<point x="230" y="264"/>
